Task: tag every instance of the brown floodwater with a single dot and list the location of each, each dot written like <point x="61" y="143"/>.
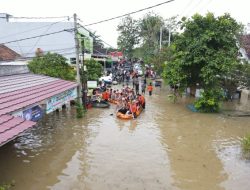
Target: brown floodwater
<point x="167" y="147"/>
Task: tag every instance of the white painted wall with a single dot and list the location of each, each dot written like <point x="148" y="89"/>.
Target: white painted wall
<point x="62" y="43"/>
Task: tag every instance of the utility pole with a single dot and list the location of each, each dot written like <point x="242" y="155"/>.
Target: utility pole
<point x="169" y="36"/>
<point x="78" y="77"/>
<point x="84" y="89"/>
<point x="160" y="37"/>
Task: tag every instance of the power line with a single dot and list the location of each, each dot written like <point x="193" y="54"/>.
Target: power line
<point x="40" y="45"/>
<point x="140" y="10"/>
<point x="193" y="8"/>
<point x="185" y="8"/>
<point x="39" y="39"/>
<point x="37" y="28"/>
<point x="52" y="50"/>
<point x="60" y="31"/>
<point x="55" y="17"/>
<point x="207" y="5"/>
<point x="94" y="35"/>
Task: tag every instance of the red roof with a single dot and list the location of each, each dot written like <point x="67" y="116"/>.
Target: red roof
<point x="6" y="54"/>
<point x="116" y="54"/>
<point x="20" y="91"/>
<point x="11" y="127"/>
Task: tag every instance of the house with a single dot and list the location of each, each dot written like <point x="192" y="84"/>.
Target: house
<point x="245" y="47"/>
<point x="56" y="37"/>
<point x="25" y="97"/>
<point x="6" y="54"/>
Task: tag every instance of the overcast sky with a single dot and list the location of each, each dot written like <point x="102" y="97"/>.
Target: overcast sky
<point x="90" y="11"/>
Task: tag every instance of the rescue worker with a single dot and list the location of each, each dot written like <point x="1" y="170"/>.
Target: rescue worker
<point x="133" y="108"/>
<point x="141" y="100"/>
<point x="150" y="89"/>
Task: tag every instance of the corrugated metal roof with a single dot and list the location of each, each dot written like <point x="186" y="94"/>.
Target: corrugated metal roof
<point x="11" y="127"/>
<point x="20" y="91"/>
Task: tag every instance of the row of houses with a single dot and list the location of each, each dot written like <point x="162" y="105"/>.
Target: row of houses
<point x="26" y="97"/>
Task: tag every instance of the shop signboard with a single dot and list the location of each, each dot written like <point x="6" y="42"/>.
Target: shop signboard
<point x="92" y="84"/>
<point x="32" y="114"/>
<point x="57" y="101"/>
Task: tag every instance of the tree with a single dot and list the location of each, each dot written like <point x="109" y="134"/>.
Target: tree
<point x="52" y="64"/>
<point x="128" y="35"/>
<point x="206" y="52"/>
<point x="98" y="45"/>
<point x="94" y="69"/>
<point x="150" y="34"/>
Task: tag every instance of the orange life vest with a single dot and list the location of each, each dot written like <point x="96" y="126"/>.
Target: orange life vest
<point x="142" y="99"/>
<point x="105" y="95"/>
<point x="150" y="88"/>
<point x="133" y="108"/>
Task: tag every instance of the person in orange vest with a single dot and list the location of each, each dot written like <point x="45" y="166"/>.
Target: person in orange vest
<point x="133" y="108"/>
<point x="141" y="100"/>
<point x="105" y="95"/>
<point x="150" y="89"/>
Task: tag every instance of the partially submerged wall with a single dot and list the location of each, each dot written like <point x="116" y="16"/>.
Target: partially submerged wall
<point x="245" y="100"/>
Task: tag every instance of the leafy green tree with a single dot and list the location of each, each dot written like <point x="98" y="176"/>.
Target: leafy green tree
<point x="52" y="64"/>
<point x="172" y="70"/>
<point x="150" y="34"/>
<point x="128" y="35"/>
<point x="94" y="69"/>
<point x="206" y="52"/>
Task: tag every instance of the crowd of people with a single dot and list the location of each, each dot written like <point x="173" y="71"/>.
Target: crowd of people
<point x="128" y="100"/>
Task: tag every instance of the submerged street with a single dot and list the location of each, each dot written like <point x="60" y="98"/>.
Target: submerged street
<point x="167" y="147"/>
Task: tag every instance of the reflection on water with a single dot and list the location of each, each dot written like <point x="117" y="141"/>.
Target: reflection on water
<point x="167" y="147"/>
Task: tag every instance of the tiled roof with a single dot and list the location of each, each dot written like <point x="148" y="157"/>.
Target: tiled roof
<point x="20" y="91"/>
<point x="6" y="54"/>
<point x="11" y="127"/>
<point x="245" y="43"/>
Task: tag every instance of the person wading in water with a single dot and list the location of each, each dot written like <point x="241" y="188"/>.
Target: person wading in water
<point x="150" y="89"/>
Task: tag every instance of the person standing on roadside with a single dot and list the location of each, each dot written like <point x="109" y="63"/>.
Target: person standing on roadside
<point x="136" y="84"/>
<point x="150" y="89"/>
<point x="143" y="88"/>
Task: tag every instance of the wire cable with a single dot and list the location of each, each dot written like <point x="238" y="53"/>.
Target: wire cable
<point x="55" y="17"/>
<point x="39" y="39"/>
<point x="51" y="50"/>
<point x="60" y="31"/>
<point x="13" y="34"/>
<point x="140" y="10"/>
<point x="96" y="37"/>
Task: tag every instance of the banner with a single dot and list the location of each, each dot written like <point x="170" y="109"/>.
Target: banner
<point x="92" y="84"/>
<point x="85" y="41"/>
<point x="57" y="101"/>
<point x="33" y="114"/>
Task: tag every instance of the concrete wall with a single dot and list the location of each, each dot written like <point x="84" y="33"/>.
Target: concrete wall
<point x="245" y="100"/>
<point x="62" y="43"/>
<point x="13" y="69"/>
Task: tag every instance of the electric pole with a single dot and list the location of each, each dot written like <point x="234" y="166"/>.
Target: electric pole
<point x="160" y="37"/>
<point x="84" y="90"/>
<point x="169" y="36"/>
<point x="78" y="77"/>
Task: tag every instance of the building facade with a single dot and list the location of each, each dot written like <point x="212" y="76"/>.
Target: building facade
<point x="55" y="37"/>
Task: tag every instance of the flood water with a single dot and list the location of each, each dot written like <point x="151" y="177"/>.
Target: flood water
<point x="167" y="147"/>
